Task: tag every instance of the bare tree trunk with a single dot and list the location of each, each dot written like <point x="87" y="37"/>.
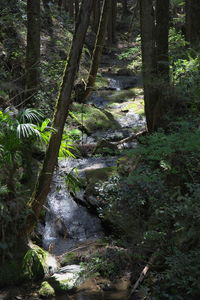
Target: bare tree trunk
<point x="32" y="49"/>
<point x="71" y="9"/>
<point x="76" y="8"/>
<point x="155" y="60"/>
<point x="61" y="112"/>
<point x="162" y="82"/>
<point x="112" y="24"/>
<point x="193" y="22"/>
<point x="148" y="57"/>
<point x="98" y="47"/>
<point x="96" y="15"/>
<point x="162" y="45"/>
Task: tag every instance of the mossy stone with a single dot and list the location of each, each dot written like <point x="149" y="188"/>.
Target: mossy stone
<point x="68" y="259"/>
<point x="46" y="290"/>
<point x="93" y="118"/>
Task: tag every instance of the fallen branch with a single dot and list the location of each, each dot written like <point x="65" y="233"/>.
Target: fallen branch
<point x="130" y="138"/>
<point x="143" y="273"/>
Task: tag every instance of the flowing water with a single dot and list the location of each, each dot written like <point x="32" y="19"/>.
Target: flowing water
<point x="67" y="222"/>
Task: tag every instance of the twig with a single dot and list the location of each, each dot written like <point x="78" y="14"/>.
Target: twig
<point x="143" y="273"/>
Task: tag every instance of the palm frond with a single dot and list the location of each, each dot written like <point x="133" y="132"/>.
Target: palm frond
<point x="27" y="130"/>
<point x="30" y="115"/>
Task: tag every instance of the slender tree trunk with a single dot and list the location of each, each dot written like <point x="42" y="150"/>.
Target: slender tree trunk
<point x="32" y="49"/>
<point x="193" y="22"/>
<point x="71" y="9"/>
<point x="112" y="24"/>
<point x="124" y="8"/>
<point x="162" y="45"/>
<point x="148" y="58"/>
<point x="61" y="112"/>
<point x="96" y="15"/>
<point x="76" y="8"/>
<point x="162" y="82"/>
<point x="98" y="47"/>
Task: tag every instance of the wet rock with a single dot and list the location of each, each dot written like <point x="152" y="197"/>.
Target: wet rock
<point x="126" y="72"/>
<point x="67" y="278"/>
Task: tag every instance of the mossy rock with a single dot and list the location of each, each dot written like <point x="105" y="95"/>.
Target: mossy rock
<point x="96" y="176"/>
<point x="101" y="82"/>
<point x="93" y="118"/>
<point x="37" y="263"/>
<point x="121" y="96"/>
<point x="66" y="280"/>
<point x="69" y="259"/>
<point x="46" y="290"/>
<point x="137" y="106"/>
<point x="34" y="264"/>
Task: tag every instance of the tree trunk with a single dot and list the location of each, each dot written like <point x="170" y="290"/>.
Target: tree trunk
<point x="162" y="32"/>
<point x="193" y="22"/>
<point x="71" y="9"/>
<point x="162" y="82"/>
<point x="112" y="24"/>
<point x="96" y="15"/>
<point x="61" y="111"/>
<point x="32" y="49"/>
<point x="76" y="8"/>
<point x="98" y="47"/>
<point x="155" y="61"/>
<point x="148" y="58"/>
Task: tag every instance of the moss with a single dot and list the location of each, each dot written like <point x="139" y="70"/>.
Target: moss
<point x="94" y="118"/>
<point x="137" y="106"/>
<point x="46" y="290"/>
<point x="121" y="96"/>
<point x="34" y="263"/>
<point x="101" y="82"/>
<point x="69" y="259"/>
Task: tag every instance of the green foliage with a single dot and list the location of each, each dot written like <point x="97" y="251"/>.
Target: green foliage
<point x="186" y="74"/>
<point x="133" y="55"/>
<point x="109" y="262"/>
<point x="155" y="205"/>
<point x="72" y="181"/>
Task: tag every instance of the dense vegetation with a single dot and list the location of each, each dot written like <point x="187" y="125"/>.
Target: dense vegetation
<point x="151" y="202"/>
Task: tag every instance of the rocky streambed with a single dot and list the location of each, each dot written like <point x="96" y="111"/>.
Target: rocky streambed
<point x="72" y="221"/>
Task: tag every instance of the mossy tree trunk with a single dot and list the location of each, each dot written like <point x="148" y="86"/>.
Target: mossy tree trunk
<point x="32" y="50"/>
<point x="107" y="4"/>
<point x="61" y="111"/>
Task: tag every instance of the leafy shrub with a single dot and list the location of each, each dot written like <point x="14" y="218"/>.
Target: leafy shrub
<point x="109" y="262"/>
<point x="156" y="206"/>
